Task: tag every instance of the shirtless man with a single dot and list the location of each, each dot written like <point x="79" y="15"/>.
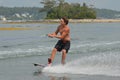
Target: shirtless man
<point x="63" y="43"/>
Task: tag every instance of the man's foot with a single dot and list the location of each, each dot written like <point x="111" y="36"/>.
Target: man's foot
<point x="63" y="63"/>
<point x="49" y="62"/>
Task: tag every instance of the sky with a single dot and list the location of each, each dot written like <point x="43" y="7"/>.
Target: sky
<point x="106" y="4"/>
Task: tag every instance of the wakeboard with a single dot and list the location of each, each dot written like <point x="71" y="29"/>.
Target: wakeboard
<point x="40" y="65"/>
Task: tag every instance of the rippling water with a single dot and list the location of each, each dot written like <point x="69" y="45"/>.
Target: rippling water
<point x="96" y="46"/>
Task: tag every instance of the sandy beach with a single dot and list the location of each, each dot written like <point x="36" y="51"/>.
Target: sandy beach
<point x="57" y="21"/>
<point x="13" y="28"/>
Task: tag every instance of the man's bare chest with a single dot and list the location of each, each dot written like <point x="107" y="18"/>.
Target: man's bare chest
<point x="61" y="30"/>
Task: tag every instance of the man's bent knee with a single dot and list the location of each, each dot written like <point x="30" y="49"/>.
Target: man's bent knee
<point x="63" y="51"/>
<point x="54" y="49"/>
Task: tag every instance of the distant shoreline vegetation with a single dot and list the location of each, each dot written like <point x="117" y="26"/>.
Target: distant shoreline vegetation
<point x="56" y="10"/>
<point x="71" y="11"/>
<point x="59" y="8"/>
<point x="21" y="13"/>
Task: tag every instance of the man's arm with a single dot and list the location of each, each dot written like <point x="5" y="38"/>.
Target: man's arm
<point x="54" y="33"/>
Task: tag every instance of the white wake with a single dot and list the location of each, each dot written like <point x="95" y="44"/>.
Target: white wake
<point x="101" y="64"/>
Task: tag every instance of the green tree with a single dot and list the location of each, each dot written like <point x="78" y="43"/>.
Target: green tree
<point x="59" y="8"/>
<point x="48" y="4"/>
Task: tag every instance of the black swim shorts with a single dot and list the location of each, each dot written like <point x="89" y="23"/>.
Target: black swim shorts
<point x="61" y="45"/>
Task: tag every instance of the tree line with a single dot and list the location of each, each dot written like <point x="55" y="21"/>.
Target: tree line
<point x="21" y="13"/>
<point x="59" y="8"/>
<point x="55" y="10"/>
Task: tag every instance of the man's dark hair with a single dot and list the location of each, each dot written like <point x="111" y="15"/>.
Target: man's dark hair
<point x="65" y="20"/>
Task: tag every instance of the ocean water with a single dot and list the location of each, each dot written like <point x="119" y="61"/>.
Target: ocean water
<point x="94" y="52"/>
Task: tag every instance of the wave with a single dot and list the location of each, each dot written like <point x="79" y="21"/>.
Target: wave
<point x="24" y="52"/>
<point x="9" y="51"/>
<point x="102" y="64"/>
<point x="95" y="44"/>
<point x="97" y="47"/>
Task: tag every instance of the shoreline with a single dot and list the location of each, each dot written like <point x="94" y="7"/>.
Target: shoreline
<point x="94" y="20"/>
<point x="13" y="28"/>
<point x="57" y="21"/>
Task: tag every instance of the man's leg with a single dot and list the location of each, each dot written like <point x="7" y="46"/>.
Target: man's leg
<point x="52" y="55"/>
<point x="63" y="56"/>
